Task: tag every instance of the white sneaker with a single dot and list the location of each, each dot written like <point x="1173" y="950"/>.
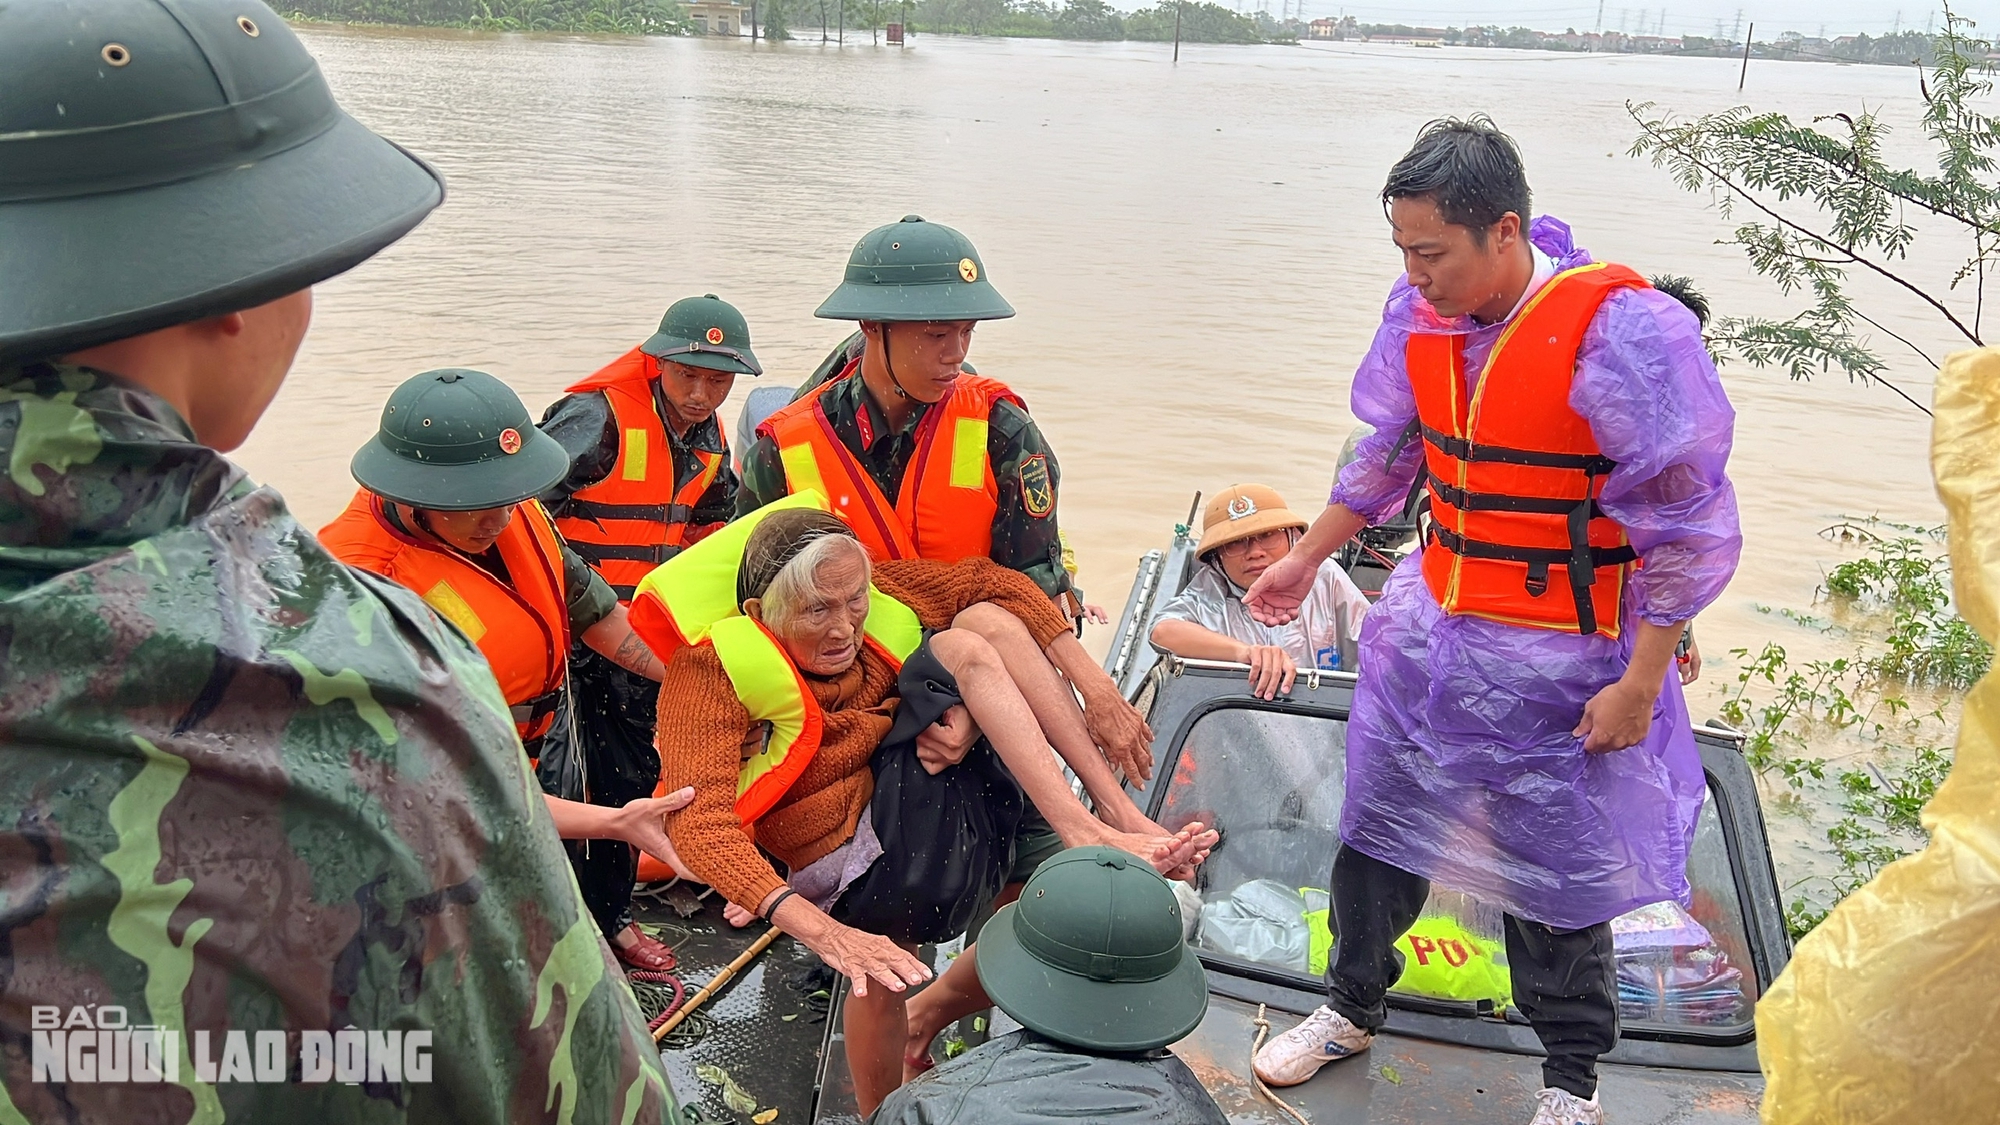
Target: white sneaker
<point x="1298" y="1054"/>
<point x="1560" y="1107"/>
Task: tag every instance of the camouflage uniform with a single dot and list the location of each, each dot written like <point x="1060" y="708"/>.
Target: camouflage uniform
<point x="243" y="786"/>
<point x="1025" y="536"/>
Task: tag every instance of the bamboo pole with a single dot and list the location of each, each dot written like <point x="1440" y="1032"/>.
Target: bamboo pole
<point x="721" y="978"/>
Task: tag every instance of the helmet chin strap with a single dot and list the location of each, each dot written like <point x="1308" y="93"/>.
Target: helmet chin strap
<point x="890" y="367"/>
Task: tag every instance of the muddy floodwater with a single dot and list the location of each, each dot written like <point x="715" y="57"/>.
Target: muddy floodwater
<point x="1196" y="251"/>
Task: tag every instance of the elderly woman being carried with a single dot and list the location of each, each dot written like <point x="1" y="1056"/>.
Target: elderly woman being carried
<point x="881" y="731"/>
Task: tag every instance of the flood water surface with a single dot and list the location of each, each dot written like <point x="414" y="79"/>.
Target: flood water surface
<point x="1196" y="252"/>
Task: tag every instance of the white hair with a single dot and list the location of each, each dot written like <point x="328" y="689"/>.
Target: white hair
<point x="798" y="585"/>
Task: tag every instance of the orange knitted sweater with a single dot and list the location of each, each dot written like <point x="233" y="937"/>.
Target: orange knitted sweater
<point x="703" y="731"/>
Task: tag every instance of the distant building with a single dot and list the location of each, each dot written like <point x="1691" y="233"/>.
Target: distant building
<point x="719" y="17"/>
<point x="1323" y="29"/>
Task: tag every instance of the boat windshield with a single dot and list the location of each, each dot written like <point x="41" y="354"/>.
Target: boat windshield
<point x="1271" y="781"/>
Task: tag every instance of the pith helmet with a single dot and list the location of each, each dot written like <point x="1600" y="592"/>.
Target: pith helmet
<point x="1092" y="955"/>
<point x="166" y="160"/>
<point x="458" y="440"/>
<point x="914" y="271"/>
<point x="1244" y="511"/>
<point x="704" y="331"/>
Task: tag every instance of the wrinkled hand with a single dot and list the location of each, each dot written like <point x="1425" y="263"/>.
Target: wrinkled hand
<point x="943" y="744"/>
<point x="1121" y="732"/>
<point x="1617" y="717"/>
<point x="1690" y="667"/>
<point x="1095" y="614"/>
<point x="1275" y="598"/>
<point x="642" y="824"/>
<point x="862" y="956"/>
<point x="1272" y="670"/>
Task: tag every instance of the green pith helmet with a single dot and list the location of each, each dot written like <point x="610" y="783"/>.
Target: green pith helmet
<point x="704" y="331"/>
<point x="167" y="160"/>
<point x="457" y="440"/>
<point x="1092" y="955"/>
<point x="914" y="271"/>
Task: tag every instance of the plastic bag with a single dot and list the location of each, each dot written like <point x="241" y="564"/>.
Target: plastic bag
<point x="1262" y="920"/>
<point x="1887" y="1011"/>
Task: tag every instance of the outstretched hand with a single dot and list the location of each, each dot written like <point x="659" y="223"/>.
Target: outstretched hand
<point x="1275" y="598"/>
<point x="642" y="823"/>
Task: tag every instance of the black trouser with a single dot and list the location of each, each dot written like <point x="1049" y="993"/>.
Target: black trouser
<point x="614" y="717"/>
<point x="1565" y="981"/>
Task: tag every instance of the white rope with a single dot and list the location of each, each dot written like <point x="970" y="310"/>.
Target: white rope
<point x="1264" y="1029"/>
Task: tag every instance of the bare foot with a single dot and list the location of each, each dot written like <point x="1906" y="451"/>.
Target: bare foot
<point x="1171" y="854"/>
<point x="736" y="915"/>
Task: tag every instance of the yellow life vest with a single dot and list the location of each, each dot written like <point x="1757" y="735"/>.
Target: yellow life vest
<point x="691" y="599"/>
<point x="1441" y="959"/>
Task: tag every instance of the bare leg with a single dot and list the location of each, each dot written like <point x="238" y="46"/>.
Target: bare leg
<point x="876" y="1030"/>
<point x="1055" y="708"/>
<point x="955" y="994"/>
<point x="1012" y="730"/>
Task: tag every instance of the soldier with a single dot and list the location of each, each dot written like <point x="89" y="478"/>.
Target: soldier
<point x="969" y="472"/>
<point x="249" y="793"/>
<point x="447" y="508"/>
<point x="649" y="474"/>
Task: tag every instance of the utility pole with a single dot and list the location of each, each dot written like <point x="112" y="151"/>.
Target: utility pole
<point x="1746" y="57"/>
<point x="1177" y="31"/>
<point x="1600" y="17"/>
<point x="1738" y="28"/>
<point x="753" y="21"/>
<point x="843" y="23"/>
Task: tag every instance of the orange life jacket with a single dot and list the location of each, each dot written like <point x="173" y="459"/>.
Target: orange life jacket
<point x="1514" y="473"/>
<point x="944" y="509"/>
<point x="635" y="519"/>
<point x="522" y="627"/>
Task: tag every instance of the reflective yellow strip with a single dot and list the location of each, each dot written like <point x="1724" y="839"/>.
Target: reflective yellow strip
<point x="893" y="625"/>
<point x="968" y="453"/>
<point x="801" y="469"/>
<point x="765" y="685"/>
<point x="456" y="610"/>
<point x="633" y="464"/>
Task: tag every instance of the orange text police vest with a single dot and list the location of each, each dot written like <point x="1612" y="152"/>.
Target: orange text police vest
<point x="635" y="519"/>
<point x="522" y="628"/>
<point x="945" y="507"/>
<point x="1514" y="473"/>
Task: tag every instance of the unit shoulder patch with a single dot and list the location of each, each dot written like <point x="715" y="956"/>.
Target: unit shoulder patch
<point x="1038" y="494"/>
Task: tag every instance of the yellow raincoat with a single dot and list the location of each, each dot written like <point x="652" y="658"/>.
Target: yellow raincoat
<point x="1888" y="1012"/>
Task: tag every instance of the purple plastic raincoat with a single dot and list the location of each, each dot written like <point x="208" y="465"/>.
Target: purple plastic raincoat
<point x="1460" y="762"/>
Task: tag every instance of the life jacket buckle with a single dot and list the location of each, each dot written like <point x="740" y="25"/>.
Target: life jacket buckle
<point x="1538" y="579"/>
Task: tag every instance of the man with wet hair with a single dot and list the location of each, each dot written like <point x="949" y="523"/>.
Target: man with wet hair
<point x="1517" y="730"/>
<point x="248" y="795"/>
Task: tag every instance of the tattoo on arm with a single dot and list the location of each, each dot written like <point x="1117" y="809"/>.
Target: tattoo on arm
<point x="633" y="654"/>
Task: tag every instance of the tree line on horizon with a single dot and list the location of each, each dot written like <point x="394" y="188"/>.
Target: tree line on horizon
<point x="1201" y="22"/>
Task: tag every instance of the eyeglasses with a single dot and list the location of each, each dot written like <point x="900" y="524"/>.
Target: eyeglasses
<point x="1276" y="540"/>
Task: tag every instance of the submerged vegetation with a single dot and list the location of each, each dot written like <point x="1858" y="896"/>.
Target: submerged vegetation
<point x="1867" y="734"/>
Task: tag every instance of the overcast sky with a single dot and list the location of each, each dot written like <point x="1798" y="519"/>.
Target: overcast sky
<point x="1683" y="17"/>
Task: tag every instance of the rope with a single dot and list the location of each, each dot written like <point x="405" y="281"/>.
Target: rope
<point x="1264" y="1029"/>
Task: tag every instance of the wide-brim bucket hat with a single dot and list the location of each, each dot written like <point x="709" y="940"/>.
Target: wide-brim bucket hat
<point x="914" y="271"/>
<point x="167" y="160"/>
<point x="457" y="440"/>
<point x="1244" y="511"/>
<point x="1092" y="954"/>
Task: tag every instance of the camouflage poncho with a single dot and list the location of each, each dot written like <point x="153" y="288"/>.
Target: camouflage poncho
<point x="243" y="787"/>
